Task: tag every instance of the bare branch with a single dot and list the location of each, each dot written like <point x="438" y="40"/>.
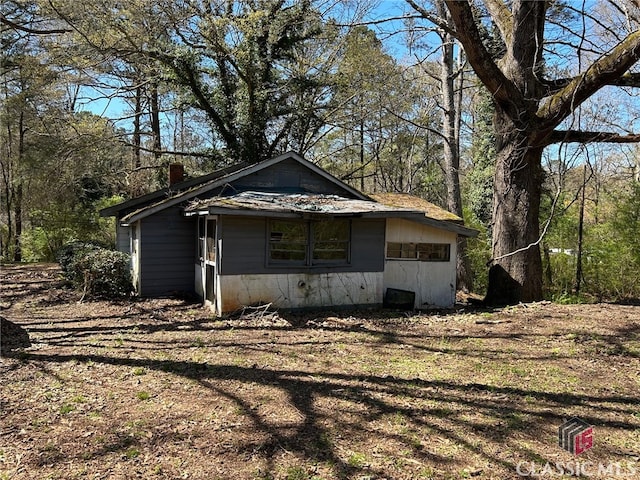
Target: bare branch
<point x="604" y="71"/>
<point x="576" y="136"/>
<point x="626" y="80"/>
<point x="503" y="91"/>
<point x="380" y="21"/>
<point x="436" y="20"/>
<point x="36" y="31"/>
<point x="167" y="152"/>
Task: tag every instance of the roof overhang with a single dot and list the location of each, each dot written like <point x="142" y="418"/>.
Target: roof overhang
<point x="314" y="206"/>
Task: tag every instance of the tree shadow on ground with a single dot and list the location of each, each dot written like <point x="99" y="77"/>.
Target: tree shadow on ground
<point x="423" y="402"/>
<point x="477" y="417"/>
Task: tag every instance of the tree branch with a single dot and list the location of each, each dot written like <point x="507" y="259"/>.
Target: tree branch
<point x="604" y="71"/>
<point x="166" y="152"/>
<point x="502" y="17"/>
<point x="576" y="136"/>
<point x="504" y="92"/>
<point x="626" y="80"/>
<point x="436" y="20"/>
<point x="36" y="31"/>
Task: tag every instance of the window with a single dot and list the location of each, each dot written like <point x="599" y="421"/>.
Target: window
<point x="434" y="252"/>
<point x="309" y="242"/>
<point x="201" y="237"/>
<point x="206" y="239"/>
<point x="211" y="240"/>
<point x="425" y="252"/>
<point x="331" y="241"/>
<point x="288" y="242"/>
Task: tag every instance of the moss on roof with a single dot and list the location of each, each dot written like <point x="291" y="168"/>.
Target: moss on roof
<point x="404" y="200"/>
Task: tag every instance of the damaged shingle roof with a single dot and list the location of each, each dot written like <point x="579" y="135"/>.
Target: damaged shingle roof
<point x="291" y="203"/>
<point x="404" y="200"/>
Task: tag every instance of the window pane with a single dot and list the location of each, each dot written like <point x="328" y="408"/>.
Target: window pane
<point x="331" y="230"/>
<point x="201" y="239"/>
<point x="408" y="250"/>
<point x="330" y="251"/>
<point x="288" y="241"/>
<point x="401" y="250"/>
<point x="394" y="250"/>
<point x="331" y="240"/>
<point x="211" y="240"/>
<point x="434" y="252"/>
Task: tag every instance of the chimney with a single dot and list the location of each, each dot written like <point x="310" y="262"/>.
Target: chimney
<point x="176" y="173"/>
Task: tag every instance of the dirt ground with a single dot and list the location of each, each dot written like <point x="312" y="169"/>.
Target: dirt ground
<point x="162" y="389"/>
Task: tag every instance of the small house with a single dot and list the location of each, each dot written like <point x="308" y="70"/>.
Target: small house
<point x="286" y="232"/>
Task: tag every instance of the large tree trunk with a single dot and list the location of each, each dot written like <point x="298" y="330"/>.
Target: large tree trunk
<point x="516" y="274"/>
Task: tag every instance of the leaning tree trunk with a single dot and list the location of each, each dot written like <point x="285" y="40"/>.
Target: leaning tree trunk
<point x="516" y="274"/>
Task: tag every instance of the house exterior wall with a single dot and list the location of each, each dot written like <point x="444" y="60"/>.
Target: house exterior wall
<point x="434" y="283"/>
<point x="245" y="278"/>
<point x="243" y="243"/>
<point x="300" y="290"/>
<point x="167" y="253"/>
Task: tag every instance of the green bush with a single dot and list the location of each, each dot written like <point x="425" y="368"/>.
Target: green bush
<point x="70" y="253"/>
<point x="96" y="271"/>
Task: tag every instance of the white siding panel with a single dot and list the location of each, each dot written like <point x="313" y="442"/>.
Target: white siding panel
<point x="433" y="282"/>
<point x="300" y="290"/>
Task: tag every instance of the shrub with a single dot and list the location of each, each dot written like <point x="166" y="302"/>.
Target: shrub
<point x="96" y="271"/>
<point x="70" y="253"/>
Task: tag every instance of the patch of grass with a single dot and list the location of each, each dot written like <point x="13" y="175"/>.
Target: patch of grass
<point x="415" y="442"/>
<point x="139" y="371"/>
<point x="143" y="395"/>
<point x="132" y="452"/>
<point x="517" y="371"/>
<point x="516" y="420"/>
<point x="296" y="473"/>
<point x="67" y="408"/>
<point x="357" y="460"/>
<point x="570" y="299"/>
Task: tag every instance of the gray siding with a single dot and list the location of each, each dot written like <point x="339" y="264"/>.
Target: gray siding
<point x="289" y="175"/>
<point x="167" y="253"/>
<point x="244" y="248"/>
<point x="285" y="176"/>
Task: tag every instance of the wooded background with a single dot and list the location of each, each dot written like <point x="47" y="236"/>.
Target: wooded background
<point x="519" y="116"/>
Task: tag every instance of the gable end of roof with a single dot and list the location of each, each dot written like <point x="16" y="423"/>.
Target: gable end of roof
<point x="209" y="182"/>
